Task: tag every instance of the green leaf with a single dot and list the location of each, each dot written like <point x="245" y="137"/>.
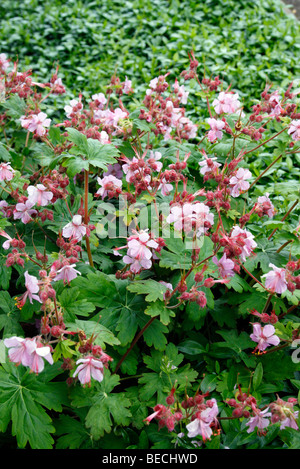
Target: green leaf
<point x="257" y="376"/>
<point x="79" y="139"/>
<point x="159" y="309"/>
<point x="105" y="408"/>
<point x="72" y="306"/>
<point x="101" y="333"/>
<point x="23" y="397"/>
<point x="154" y="290"/>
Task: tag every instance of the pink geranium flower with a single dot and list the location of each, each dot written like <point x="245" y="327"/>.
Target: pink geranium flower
<point x="246" y="241"/>
<point x="6" y="244"/>
<point x="239" y="182"/>
<point x="264" y="336"/>
<point x="39" y="195"/>
<point x="37" y="123"/>
<point x="202" y="424"/>
<point x="259" y="421"/>
<point x="31" y="283"/>
<point x="20" y="349"/>
<point x="108" y="184"/>
<point x="39" y="354"/>
<point x="165" y="187"/>
<point x="226" y="103"/>
<point x="28" y="352"/>
<point x="266" y="205"/>
<point x="275" y="279"/>
<point x="4" y="62"/>
<point x="75" y="229"/>
<point x="101" y="100"/>
<point x="225" y="266"/>
<point x="294" y="129"/>
<point x="6" y="172"/>
<point x="73" y="108"/>
<point x="208" y="165"/>
<point x="67" y="273"/>
<point x="216" y="127"/>
<point x="89" y="367"/>
<point x="24" y="212"/>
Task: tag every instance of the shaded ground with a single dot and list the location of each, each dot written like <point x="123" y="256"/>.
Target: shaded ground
<point x="294" y="6"/>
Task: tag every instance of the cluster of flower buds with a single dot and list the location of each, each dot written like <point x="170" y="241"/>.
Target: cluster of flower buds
<point x="119" y="87"/>
<point x="194" y="295"/>
<point x="192" y="72"/>
<point x="165" y="113"/>
<point x="281" y="411"/>
<point x="56" y="183"/>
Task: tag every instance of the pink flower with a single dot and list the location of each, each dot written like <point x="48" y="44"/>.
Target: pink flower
<point x="6" y="172"/>
<point x="154" y="162"/>
<point x="31" y="283"/>
<point x="39" y="195"/>
<point x="245" y="240"/>
<point x="266" y="205"/>
<point x="202" y="424"/>
<point x="4" y="62"/>
<point x="165" y="187"/>
<point x="275" y="103"/>
<point x="259" y="421"/>
<point x="239" y="183"/>
<point x="73" y="108"/>
<point x="191" y="216"/>
<point x="38" y="354"/>
<point x="127" y="86"/>
<point x="138" y="246"/>
<point x="227" y="103"/>
<point x="24" y="211"/>
<point x="29" y="352"/>
<point x="208" y="165"/>
<point x="88" y="368"/>
<point x="6" y="244"/>
<point x="136" y="265"/>
<point x="36" y="123"/>
<point x="20" y="349"/>
<point x="75" y="229"/>
<point x="101" y="99"/>
<point x="108" y="184"/>
<point x="225" y="266"/>
<point x="3" y="207"/>
<point x="67" y="273"/>
<point x="181" y="92"/>
<point x="216" y="126"/>
<point x="264" y="336"/>
<point x="294" y="130"/>
<point x="275" y="279"/>
<point x="139" y="252"/>
<point x="104" y="138"/>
